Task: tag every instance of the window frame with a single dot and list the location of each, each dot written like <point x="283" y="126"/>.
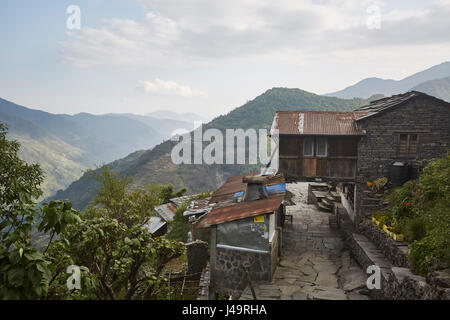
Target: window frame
<point x="409" y="154"/>
<point x="312" y="146"/>
<point x="317" y="139"/>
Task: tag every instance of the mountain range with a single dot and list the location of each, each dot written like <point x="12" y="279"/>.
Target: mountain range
<point x="155" y="165"/>
<point x="66" y="145"/>
<point x="418" y="81"/>
<point x="187" y="116"/>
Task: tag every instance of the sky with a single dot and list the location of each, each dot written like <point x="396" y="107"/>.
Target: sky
<point x="207" y="56"/>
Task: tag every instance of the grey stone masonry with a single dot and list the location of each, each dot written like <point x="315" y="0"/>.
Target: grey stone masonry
<point x="424" y="115"/>
<point x="398" y="283"/>
<point x="396" y="252"/>
<point x="197" y="257"/>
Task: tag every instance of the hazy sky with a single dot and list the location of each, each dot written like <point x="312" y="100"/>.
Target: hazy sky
<point x="207" y="56"/>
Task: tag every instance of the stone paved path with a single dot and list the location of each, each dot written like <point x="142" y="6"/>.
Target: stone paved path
<point x="314" y="263"/>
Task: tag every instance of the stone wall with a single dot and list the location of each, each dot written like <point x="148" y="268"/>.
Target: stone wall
<point x="424" y="115"/>
<point x="398" y="283"/>
<point x="197" y="257"/>
<point x="203" y="286"/>
<point x="396" y="252"/>
<point x="229" y="276"/>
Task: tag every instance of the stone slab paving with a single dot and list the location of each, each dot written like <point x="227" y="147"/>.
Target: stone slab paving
<point x="314" y="263"/>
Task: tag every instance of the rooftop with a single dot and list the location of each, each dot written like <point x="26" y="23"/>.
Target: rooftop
<point x="227" y="208"/>
<point x="383" y="104"/>
<point x="317" y="122"/>
<point x="166" y="211"/>
<point x="241" y="210"/>
<point x="155" y="224"/>
<point x="235" y="185"/>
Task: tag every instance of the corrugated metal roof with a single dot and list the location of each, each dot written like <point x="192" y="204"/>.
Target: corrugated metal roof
<point x="198" y="207"/>
<point x="234" y="185"/>
<point x="155" y="224"/>
<point x="240" y="210"/>
<point x="179" y="200"/>
<point x="317" y="122"/>
<point x="166" y="211"/>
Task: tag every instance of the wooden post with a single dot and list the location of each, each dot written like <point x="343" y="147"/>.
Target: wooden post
<point x="170" y="273"/>
<point x="250" y="283"/>
<point x="184" y="280"/>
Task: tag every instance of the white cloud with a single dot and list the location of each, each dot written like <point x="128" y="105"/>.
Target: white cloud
<point x="169" y="88"/>
<point x="187" y="32"/>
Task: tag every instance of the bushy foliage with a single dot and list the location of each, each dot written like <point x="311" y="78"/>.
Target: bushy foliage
<point x="25" y="272"/>
<point x="117" y="256"/>
<point x="179" y="227"/>
<point x="421" y="210"/>
<point x="113" y="243"/>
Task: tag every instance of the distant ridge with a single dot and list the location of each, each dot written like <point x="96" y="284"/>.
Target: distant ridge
<point x="370" y="86"/>
<point x="439" y="88"/>
<point x="155" y="165"/>
<point x="188" y="116"/>
<point x="66" y="145"/>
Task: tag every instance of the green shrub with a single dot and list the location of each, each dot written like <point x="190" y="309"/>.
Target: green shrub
<point x="415" y="229"/>
<point x="421" y="210"/>
<point x="430" y="253"/>
<point x="179" y="227"/>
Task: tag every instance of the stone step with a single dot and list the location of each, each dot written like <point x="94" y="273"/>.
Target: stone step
<point x="324" y="208"/>
<point x="370" y="207"/>
<point x="320" y="194"/>
<point x="331" y="198"/>
<point x="371" y="201"/>
<point x="317" y="186"/>
<point x="327" y="203"/>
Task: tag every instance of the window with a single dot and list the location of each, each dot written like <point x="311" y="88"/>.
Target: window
<point x="408" y="145"/>
<point x="308" y="146"/>
<point x="321" y="147"/>
<point x="315" y="146"/>
<point x="250" y="233"/>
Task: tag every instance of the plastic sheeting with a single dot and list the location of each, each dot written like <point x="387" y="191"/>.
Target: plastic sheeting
<point x="251" y="233"/>
<point x="276" y="188"/>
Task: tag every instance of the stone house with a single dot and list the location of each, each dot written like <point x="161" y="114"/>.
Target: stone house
<point x="245" y="231"/>
<point x="349" y="148"/>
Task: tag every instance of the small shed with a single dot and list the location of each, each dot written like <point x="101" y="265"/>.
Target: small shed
<point x="245" y="229"/>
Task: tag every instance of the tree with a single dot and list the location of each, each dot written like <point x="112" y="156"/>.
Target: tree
<point x="25" y="272"/>
<point x="112" y="241"/>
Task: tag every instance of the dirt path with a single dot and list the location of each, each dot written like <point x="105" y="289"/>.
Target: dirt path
<point x="314" y="263"/>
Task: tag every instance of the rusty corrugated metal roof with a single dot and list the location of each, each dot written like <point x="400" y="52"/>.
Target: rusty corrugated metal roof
<point x="240" y="210"/>
<point x="317" y="122"/>
<point x="166" y="211"/>
<point x="234" y="185"/>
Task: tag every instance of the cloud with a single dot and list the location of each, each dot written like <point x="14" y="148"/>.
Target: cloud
<point x="189" y="32"/>
<point x="169" y="88"/>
